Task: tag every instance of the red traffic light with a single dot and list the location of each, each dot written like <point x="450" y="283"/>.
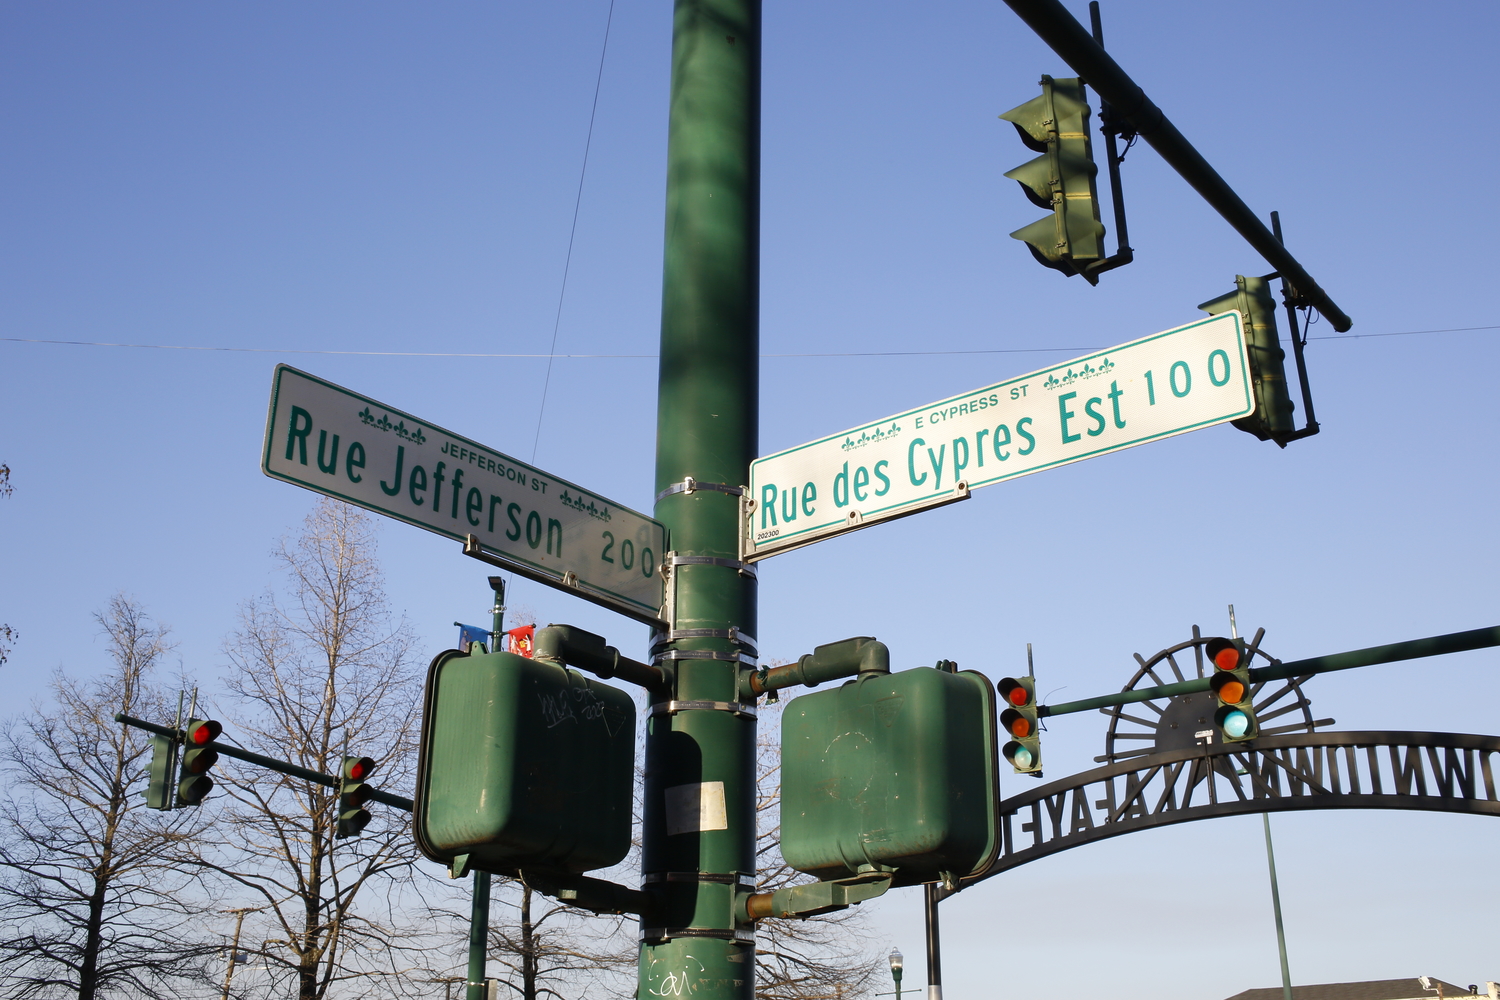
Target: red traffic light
<point x="1225" y="653"/>
<point x="358" y="768"/>
<point x="1015" y="692"/>
<point x="200" y="731"/>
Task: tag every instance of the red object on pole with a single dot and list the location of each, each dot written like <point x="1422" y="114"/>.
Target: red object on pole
<point x="520" y="641"/>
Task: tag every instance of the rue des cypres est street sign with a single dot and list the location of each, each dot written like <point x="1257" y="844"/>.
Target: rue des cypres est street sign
<point x="1180" y="380"/>
<point x="333" y="441"/>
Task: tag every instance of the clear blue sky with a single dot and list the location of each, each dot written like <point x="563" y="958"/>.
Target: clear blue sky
<point x="382" y="177"/>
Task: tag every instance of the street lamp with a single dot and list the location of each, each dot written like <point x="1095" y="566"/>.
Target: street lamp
<point x="895" y="961"/>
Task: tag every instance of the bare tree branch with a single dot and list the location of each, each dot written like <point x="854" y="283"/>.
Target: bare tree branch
<point x="91" y="897"/>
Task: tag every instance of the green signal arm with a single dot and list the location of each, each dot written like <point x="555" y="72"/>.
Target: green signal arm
<point x="831" y="661"/>
<point x="269" y="763"/>
<point x="813" y="898"/>
<point x="1437" y="645"/>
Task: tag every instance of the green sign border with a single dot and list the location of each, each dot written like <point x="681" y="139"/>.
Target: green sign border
<point x="608" y="598"/>
<point x="781" y="542"/>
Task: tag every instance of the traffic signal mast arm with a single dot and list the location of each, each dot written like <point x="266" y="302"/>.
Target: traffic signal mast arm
<point x="281" y="766"/>
<point x="1058" y="28"/>
<point x="859" y="655"/>
<point x="1453" y="642"/>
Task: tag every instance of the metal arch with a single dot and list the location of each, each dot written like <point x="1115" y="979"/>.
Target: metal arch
<point x="1114" y="751"/>
<point x="1435" y="772"/>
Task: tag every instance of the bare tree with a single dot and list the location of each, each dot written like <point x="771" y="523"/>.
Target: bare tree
<point x="91" y="897"/>
<point x="549" y="949"/>
<point x="324" y="671"/>
<point x="7" y="634"/>
<point x="820" y="957"/>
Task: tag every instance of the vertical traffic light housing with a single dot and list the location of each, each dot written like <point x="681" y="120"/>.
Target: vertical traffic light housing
<point x="1230" y="683"/>
<point x="1061" y="179"/>
<point x="159" y="790"/>
<point x="198" y="756"/>
<point x="1272" y="419"/>
<point x="354" y="792"/>
<point x="1019" y="720"/>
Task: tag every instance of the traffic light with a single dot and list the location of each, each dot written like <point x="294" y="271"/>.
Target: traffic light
<point x="1019" y="720"/>
<point x="354" y="792"/>
<point x="159" y="791"/>
<point x="1272" y="419"/>
<point x="1230" y="683"/>
<point x="1060" y="180"/>
<point x="198" y="756"/>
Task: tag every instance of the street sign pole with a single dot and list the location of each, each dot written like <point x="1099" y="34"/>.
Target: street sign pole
<point x="699" y="822"/>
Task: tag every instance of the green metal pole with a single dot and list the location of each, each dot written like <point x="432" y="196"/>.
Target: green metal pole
<point x="699" y="821"/>
<point x="479" y="931"/>
<point x="1286" y="975"/>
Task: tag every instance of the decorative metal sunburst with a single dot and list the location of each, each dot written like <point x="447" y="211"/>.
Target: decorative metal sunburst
<point x="1180" y="722"/>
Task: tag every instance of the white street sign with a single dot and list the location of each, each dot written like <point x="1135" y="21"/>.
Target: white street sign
<point x="333" y="441"/>
<point x="1180" y="380"/>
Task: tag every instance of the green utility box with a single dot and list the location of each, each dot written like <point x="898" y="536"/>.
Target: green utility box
<point x="894" y="770"/>
<point x="523" y="764"/>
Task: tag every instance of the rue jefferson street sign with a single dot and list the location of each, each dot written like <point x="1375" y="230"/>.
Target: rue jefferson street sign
<point x="1179" y="380"/>
<point x="337" y="442"/>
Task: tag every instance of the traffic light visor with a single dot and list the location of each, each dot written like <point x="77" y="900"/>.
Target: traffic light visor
<point x="1019" y="755"/>
<point x="1225" y="653"/>
<point x="1015" y="692"/>
<point x="200" y="760"/>
<point x="1229" y="688"/>
<point x="1234" y="723"/>
<point x="1016" y="724"/>
<point x="358" y="768"/>
<point x="200" y="731"/>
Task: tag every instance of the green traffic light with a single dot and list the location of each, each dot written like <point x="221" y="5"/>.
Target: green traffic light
<point x="1272" y="419"/>
<point x="1061" y="179"/>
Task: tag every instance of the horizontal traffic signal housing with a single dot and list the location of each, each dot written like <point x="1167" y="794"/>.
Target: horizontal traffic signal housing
<point x="523" y="763"/>
<point x="897" y="770"/>
<point x="1272" y="419"/>
<point x="1061" y="179"/>
<point x="354" y="792"/>
<point x="1230" y="684"/>
<point x="198" y="756"/>
<point x="1020" y="723"/>
<point x="159" y="790"/>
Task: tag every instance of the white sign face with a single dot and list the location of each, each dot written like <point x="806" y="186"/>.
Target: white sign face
<point x="333" y="441"/>
<point x="1180" y="380"/>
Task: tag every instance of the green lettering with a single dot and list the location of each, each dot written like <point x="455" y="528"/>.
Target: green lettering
<point x="1094" y="415"/>
<point x="883" y="478"/>
<point x="1115" y="392"/>
<point x="861" y="480"/>
<point x="417" y="484"/>
<point x="298" y="434"/>
<point x="515" y="526"/>
<point x="1001" y="442"/>
<point x="553" y="523"/>
<point x="767" y="505"/>
<point x="351" y="462"/>
<point x="333" y="459"/>
<point x="911" y="462"/>
<point x="494" y="502"/>
<point x="1063" y="413"/>
<point x="395" y="486"/>
<point x="473" y="505"/>
<point x="1030" y="441"/>
<point x="809" y="494"/>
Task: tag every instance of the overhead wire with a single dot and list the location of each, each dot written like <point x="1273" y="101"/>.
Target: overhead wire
<point x="573" y="231"/>
<point x="553" y="356"/>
